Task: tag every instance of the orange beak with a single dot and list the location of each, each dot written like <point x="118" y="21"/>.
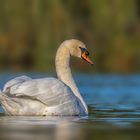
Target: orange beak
<point x="86" y="58"/>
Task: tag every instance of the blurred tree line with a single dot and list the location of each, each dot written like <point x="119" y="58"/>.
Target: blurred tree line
<point x="31" y="31"/>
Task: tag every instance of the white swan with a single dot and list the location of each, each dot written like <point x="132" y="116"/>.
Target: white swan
<point x="48" y="96"/>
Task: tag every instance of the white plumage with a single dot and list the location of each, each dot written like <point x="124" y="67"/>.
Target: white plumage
<point x="46" y="96"/>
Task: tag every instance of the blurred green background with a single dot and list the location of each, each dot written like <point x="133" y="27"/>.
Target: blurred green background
<point x="31" y="31"/>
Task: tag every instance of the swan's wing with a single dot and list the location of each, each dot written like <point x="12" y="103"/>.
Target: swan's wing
<point x="49" y="91"/>
<point x="16" y="81"/>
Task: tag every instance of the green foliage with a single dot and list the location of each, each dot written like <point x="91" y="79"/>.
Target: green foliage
<point x="31" y="31"/>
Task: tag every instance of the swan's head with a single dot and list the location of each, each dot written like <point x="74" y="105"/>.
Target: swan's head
<point x="78" y="49"/>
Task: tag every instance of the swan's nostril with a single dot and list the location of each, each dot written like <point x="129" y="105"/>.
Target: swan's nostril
<point x="87" y="53"/>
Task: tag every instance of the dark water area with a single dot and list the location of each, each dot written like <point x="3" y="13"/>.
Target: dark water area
<point x="114" y="112"/>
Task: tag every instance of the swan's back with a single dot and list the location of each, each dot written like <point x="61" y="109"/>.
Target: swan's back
<point x="58" y="97"/>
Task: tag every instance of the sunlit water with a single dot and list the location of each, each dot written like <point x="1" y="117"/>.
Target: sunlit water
<point x="114" y="112"/>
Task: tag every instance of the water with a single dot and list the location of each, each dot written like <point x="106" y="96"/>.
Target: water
<point x="114" y="113"/>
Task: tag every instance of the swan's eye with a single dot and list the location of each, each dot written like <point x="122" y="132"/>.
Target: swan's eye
<point x="83" y="50"/>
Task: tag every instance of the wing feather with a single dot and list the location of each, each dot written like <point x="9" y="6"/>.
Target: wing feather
<point x="49" y="91"/>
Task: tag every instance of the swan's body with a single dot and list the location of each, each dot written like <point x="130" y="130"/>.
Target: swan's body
<point x="47" y="96"/>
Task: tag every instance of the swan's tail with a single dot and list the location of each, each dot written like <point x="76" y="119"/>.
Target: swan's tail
<point x="7" y="103"/>
<point x="3" y="97"/>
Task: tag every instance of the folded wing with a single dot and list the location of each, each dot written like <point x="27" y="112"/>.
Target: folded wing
<point x="49" y="91"/>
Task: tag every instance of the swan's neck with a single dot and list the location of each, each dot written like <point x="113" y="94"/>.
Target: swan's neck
<point x="63" y="70"/>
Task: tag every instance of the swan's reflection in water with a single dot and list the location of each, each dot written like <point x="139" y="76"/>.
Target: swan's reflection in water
<point x="39" y="128"/>
<point x="67" y="131"/>
<point x="68" y="128"/>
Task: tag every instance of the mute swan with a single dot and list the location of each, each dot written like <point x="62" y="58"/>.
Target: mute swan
<point x="48" y="96"/>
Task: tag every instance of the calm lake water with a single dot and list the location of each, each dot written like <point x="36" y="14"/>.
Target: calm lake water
<point x="114" y="112"/>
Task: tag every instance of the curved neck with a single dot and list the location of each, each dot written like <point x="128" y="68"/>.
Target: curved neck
<point x="63" y="71"/>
